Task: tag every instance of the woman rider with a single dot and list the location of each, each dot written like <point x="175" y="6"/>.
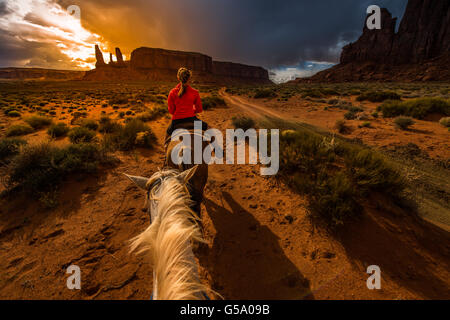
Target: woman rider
<point x="184" y="103"/>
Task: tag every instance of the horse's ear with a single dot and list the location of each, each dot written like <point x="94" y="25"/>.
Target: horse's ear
<point x="141" y="182"/>
<point x="186" y="175"/>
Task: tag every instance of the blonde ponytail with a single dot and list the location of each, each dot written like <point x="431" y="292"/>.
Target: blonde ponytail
<point x="183" y="75"/>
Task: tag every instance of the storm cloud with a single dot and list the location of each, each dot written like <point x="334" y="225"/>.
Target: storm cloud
<point x="270" y="33"/>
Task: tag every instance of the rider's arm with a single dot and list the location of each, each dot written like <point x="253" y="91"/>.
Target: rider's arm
<point x="198" y="104"/>
<point x="171" y="103"/>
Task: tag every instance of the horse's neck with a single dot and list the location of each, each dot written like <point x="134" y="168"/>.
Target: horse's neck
<point x="187" y="253"/>
<point x="189" y="257"/>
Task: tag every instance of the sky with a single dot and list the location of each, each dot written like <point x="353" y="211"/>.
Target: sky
<point x="291" y="38"/>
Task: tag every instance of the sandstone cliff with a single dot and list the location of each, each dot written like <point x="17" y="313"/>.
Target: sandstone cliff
<point x="39" y="74"/>
<point x="419" y="51"/>
<point x="160" y="64"/>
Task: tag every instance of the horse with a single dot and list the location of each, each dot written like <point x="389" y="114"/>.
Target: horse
<point x="173" y="199"/>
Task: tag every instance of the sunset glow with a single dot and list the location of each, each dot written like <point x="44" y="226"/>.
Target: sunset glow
<point x="46" y="23"/>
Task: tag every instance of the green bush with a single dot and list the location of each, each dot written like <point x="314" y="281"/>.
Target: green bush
<point x="350" y="115"/>
<point x="211" y="102"/>
<point x="81" y="135"/>
<point x="59" y="129"/>
<point x="335" y="175"/>
<point x="38" y="122"/>
<point x="119" y="99"/>
<point x="264" y="93"/>
<point x="13" y="114"/>
<point x="378" y="96"/>
<point x="19" y="130"/>
<point x="41" y="168"/>
<point x="445" y="122"/>
<point x="341" y="126"/>
<point x="152" y="114"/>
<point x="145" y="139"/>
<point x="89" y="124"/>
<point x="243" y="122"/>
<point x="334" y="197"/>
<point x="319" y="93"/>
<point x="403" y="122"/>
<point x="9" y="147"/>
<point x="312" y="94"/>
<point x="365" y="124"/>
<point x="107" y="125"/>
<point x="134" y="134"/>
<point x="372" y="172"/>
<point x="418" y="108"/>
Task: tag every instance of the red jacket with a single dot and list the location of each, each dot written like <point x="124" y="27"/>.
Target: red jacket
<point x="185" y="107"/>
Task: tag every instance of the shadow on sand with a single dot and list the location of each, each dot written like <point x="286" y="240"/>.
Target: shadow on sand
<point x="19" y="211"/>
<point x="246" y="260"/>
<point x="408" y="250"/>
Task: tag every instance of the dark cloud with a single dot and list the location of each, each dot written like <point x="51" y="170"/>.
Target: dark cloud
<point x="271" y="33"/>
<point x="16" y="51"/>
<point x="3" y="8"/>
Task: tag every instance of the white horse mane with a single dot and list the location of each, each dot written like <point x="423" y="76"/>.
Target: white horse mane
<point x="168" y="240"/>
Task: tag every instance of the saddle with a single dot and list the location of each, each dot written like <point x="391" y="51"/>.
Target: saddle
<point x="189" y="126"/>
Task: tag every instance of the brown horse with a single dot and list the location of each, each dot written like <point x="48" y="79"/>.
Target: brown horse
<point x="198" y="181"/>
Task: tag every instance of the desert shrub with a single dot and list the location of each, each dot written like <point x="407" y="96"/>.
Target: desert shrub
<point x="145" y="139"/>
<point x="365" y="124"/>
<point x="41" y="168"/>
<point x="10" y="147"/>
<point x="38" y="122"/>
<point x="243" y="122"/>
<point x="264" y="93"/>
<point x="133" y="134"/>
<point x="81" y="135"/>
<point x="372" y="172"/>
<point x="304" y="163"/>
<point x="445" y="122"/>
<point x="119" y="99"/>
<point x="378" y="96"/>
<point x="350" y="115"/>
<point x="82" y="158"/>
<point x="59" y="129"/>
<point x="353" y="109"/>
<point x="334" y="102"/>
<point x="312" y="94"/>
<point x="107" y="125"/>
<point x="319" y="93"/>
<point x="363" y="117"/>
<point x="341" y="126"/>
<point x="375" y="114"/>
<point x="211" y="102"/>
<point x="403" y="122"/>
<point x="89" y="124"/>
<point x="19" y="130"/>
<point x="418" y="108"/>
<point x="334" y="197"/>
<point x="13" y="114"/>
<point x="335" y="175"/>
<point x="152" y="114"/>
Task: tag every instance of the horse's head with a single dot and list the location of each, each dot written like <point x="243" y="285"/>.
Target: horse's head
<point x="154" y="185"/>
<point x="168" y="238"/>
